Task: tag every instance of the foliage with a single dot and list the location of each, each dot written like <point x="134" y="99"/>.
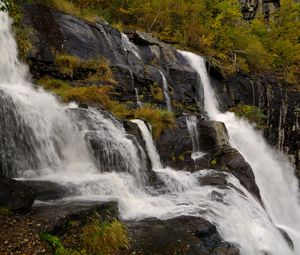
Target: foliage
<point x="157" y="92"/>
<point x="104" y="238"/>
<point x="210" y="27"/>
<point x="86" y="94"/>
<point x="22" y="33"/>
<point x="67" y="63"/>
<point x="252" y="113"/>
<point x="158" y="118"/>
<point x="96" y="68"/>
<point x="57" y="247"/>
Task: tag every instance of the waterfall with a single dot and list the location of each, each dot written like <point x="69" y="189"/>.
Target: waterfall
<point x="129" y="46"/>
<point x="274" y="176"/>
<point x="152" y="152"/>
<point x="138" y="101"/>
<point x="166" y="91"/>
<point x="58" y="141"/>
<point x="50" y="142"/>
<point x="191" y="122"/>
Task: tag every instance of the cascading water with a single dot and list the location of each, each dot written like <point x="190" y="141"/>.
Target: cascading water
<point x="166" y="91"/>
<point x="274" y="175"/>
<point x="153" y="155"/>
<point x="61" y="138"/>
<point x="50" y="140"/>
<point x="129" y="46"/>
<point x="191" y="122"/>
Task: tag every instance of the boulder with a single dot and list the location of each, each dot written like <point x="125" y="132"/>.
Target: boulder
<point x="46" y="190"/>
<point x="182" y="235"/>
<point x="15" y="195"/>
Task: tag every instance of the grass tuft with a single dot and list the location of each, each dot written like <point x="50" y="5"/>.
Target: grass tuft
<point x="104" y="238"/>
<point x="158" y="118"/>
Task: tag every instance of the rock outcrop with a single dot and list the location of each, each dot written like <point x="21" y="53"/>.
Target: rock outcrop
<point x="182" y="235"/>
<point x="15" y="195"/>
<point x="279" y="101"/>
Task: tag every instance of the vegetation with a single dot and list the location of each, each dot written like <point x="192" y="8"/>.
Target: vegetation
<point x="159" y="119"/>
<point x="252" y="113"/>
<point x="105" y="238"/>
<point x="5" y="211"/>
<point x="96" y="69"/>
<point x="57" y="247"/>
<point x="22" y="33"/>
<point x="157" y="92"/>
<point x="86" y="94"/>
<point x="210" y="27"/>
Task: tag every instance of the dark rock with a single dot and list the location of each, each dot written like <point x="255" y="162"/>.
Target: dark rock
<point x="55" y="218"/>
<point x="183" y="235"/>
<point x="277" y="100"/>
<point x="175" y="146"/>
<point x="45" y="190"/>
<point x="212" y="135"/>
<point x="15" y="195"/>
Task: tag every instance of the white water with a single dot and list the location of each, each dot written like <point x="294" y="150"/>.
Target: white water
<point x="129" y="46"/>
<point x="166" y="92"/>
<point x="274" y="176"/>
<point x="151" y="149"/>
<point x="239" y="218"/>
<point x="191" y="122"/>
<point x="138" y="101"/>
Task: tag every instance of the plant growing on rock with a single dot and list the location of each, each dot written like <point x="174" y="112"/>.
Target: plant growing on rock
<point x="104" y="238"/>
<point x="252" y="113"/>
<point x="158" y="118"/>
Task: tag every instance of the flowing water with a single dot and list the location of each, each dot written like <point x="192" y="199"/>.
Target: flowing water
<point x="191" y="122"/>
<point x="129" y="46"/>
<point x="166" y="91"/>
<point x="274" y="176"/>
<point x="92" y="151"/>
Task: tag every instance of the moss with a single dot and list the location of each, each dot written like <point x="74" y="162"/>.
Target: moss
<point x="213" y="162"/>
<point x="157" y="92"/>
<point x="181" y="157"/>
<point x="104" y="238"/>
<point x="158" y="118"/>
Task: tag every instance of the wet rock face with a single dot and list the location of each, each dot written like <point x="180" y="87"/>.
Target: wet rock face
<point x="182" y="235"/>
<point x="58" y="32"/>
<point x="15" y="195"/>
<point x="279" y="102"/>
<point x="175" y="148"/>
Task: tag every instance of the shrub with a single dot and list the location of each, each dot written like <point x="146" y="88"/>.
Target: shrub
<point x="157" y="92"/>
<point x="158" y="118"/>
<point x="252" y="113"/>
<point x="67" y="63"/>
<point x="104" y="238"/>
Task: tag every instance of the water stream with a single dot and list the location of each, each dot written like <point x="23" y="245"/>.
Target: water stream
<point x="62" y="138"/>
<point x="274" y="176"/>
